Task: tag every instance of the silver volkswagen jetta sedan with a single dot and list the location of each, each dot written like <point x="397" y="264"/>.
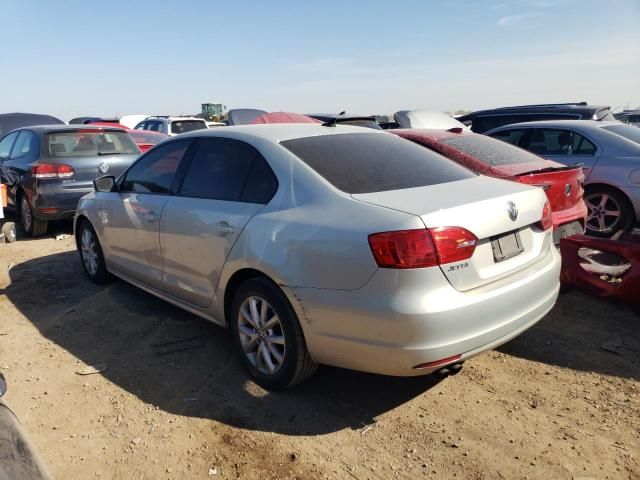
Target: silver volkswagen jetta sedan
<point x="324" y="244"/>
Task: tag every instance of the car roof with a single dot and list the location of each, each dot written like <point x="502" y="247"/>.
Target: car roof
<point x="559" y="124"/>
<point x="172" y="117"/>
<point x="71" y="128"/>
<point x="278" y="132"/>
<point x="574" y="107"/>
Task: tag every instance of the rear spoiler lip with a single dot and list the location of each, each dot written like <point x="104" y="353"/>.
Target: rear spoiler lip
<point x="575" y="166"/>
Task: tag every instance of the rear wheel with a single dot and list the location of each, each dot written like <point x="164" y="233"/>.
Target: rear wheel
<point x="91" y="255"/>
<point x="268" y="336"/>
<point x="609" y="211"/>
<point x="31" y="225"/>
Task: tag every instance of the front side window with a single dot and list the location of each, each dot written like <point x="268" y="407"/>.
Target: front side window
<point x="552" y="141"/>
<point x="231" y="170"/>
<point x="88" y="143"/>
<point x="6" y="144"/>
<point x="155" y="171"/>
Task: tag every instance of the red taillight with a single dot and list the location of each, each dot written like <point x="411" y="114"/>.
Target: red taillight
<point x="547" y="220"/>
<point x="453" y="244"/>
<point x="51" y="170"/>
<point x="422" y="248"/>
<point x="403" y="249"/>
<point x="437" y="363"/>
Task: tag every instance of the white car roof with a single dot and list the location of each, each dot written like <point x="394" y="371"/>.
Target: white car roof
<point x="427" y="119"/>
<point x="280" y="131"/>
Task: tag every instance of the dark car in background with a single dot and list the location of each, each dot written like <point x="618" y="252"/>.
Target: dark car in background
<point x="632" y="117"/>
<point x="485" y="120"/>
<point x="342" y="118"/>
<point x="11" y="121"/>
<point x="49" y="167"/>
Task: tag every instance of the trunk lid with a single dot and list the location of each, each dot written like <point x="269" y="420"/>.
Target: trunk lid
<point x="563" y="185"/>
<point x="480" y="205"/>
<point x="87" y="169"/>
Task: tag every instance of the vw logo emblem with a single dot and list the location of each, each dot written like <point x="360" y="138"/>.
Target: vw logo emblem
<point x="567" y="190"/>
<point x="512" y="210"/>
<point x="103" y="167"/>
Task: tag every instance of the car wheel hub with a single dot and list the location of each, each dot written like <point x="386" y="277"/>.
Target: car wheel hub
<point x="25" y="211"/>
<point x="261" y="335"/>
<point x="604" y="212"/>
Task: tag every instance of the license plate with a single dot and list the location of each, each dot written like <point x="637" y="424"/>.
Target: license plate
<point x="506" y="246"/>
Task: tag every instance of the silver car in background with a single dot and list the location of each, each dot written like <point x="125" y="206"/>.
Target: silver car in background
<point x="326" y="244"/>
<point x="610" y="155"/>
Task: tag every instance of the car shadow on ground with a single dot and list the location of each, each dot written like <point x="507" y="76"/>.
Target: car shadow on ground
<point x="131" y="331"/>
<point x="584" y="333"/>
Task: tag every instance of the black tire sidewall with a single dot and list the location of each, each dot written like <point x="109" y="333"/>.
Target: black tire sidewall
<point x="273" y="295"/>
<point x="102" y="275"/>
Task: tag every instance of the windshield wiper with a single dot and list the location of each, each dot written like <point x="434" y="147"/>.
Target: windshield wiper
<point x="110" y="153"/>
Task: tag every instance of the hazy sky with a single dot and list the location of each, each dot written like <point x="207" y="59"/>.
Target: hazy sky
<point x="70" y="58"/>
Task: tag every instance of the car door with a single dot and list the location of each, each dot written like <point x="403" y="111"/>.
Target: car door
<point x="25" y="151"/>
<point x="564" y="146"/>
<point x="226" y="183"/>
<point x="131" y="217"/>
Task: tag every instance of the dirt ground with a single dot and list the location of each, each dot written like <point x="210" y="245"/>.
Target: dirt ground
<point x="562" y="401"/>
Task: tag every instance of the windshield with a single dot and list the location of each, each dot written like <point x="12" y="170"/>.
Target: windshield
<point x="87" y="143"/>
<point x="183" y="126"/>
<point x="490" y="151"/>
<point x="374" y="162"/>
<point x="626" y="131"/>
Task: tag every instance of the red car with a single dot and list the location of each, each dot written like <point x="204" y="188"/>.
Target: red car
<point x="145" y="139"/>
<point x="488" y="156"/>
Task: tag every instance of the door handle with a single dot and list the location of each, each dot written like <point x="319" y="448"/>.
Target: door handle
<point x="151" y="217"/>
<point x="223" y="229"/>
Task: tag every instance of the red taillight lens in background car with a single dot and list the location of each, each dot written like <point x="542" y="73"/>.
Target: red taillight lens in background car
<point x="422" y="248"/>
<point x="547" y="220"/>
<point x="52" y="170"/>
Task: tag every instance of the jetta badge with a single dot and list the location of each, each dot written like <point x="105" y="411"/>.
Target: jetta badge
<point x="512" y="210"/>
<point x="567" y="190"/>
<point x="103" y="167"/>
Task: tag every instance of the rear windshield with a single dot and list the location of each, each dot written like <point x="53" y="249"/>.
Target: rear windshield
<point x="490" y="151"/>
<point x="626" y="131"/>
<point x="146" y="136"/>
<point x="87" y="143"/>
<point x="374" y="162"/>
<point x="183" y="126"/>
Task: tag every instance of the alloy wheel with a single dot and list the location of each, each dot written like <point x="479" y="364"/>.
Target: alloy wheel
<point x="89" y="251"/>
<point x="261" y="335"/>
<point x="604" y="212"/>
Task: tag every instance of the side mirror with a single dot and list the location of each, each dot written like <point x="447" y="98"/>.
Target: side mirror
<point x="105" y="184"/>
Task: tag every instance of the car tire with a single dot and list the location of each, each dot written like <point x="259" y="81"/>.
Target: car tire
<point x="91" y="256"/>
<point x="269" y="338"/>
<point x="32" y="226"/>
<point x="9" y="231"/>
<point x="601" y="199"/>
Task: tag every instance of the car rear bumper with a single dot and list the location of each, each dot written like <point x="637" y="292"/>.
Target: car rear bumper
<point x="400" y="320"/>
<point x="564" y="221"/>
<point x="52" y="202"/>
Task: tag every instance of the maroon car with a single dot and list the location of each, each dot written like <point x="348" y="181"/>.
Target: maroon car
<point x="488" y="156"/>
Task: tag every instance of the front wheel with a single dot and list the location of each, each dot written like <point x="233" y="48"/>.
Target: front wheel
<point x="31" y="225"/>
<point x="91" y="255"/>
<point x="268" y="336"/>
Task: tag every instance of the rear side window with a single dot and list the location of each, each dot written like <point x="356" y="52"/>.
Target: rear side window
<point x="230" y="170"/>
<point x="155" y="171"/>
<point x="374" y="162"/>
<point x="490" y="151"/>
<point x="26" y="146"/>
<point x="552" y="141"/>
<point x="183" y="126"/>
<point x="6" y="144"/>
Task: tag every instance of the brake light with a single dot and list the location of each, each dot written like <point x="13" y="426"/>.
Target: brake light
<point x="52" y="170"/>
<point x="547" y="220"/>
<point x="453" y="244"/>
<point x="422" y="247"/>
